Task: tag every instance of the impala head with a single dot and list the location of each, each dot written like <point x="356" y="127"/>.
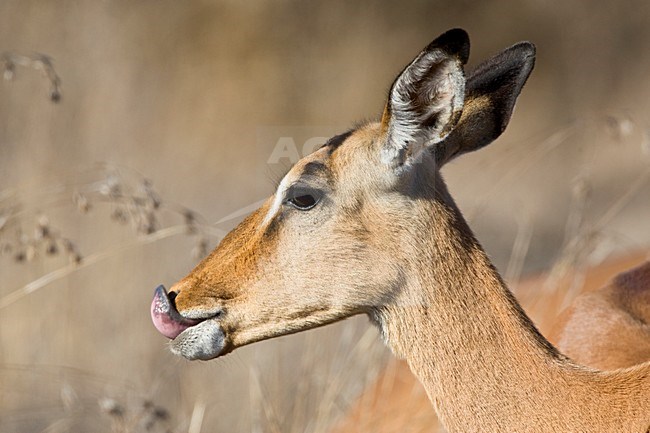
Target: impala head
<point x="341" y="232"/>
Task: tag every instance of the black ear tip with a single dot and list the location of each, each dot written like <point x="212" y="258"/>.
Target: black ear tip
<point x="524" y="53"/>
<point x="455" y="42"/>
<point x="456" y="34"/>
<point x="525" y="50"/>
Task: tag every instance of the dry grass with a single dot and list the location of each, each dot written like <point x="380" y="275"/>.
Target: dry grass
<point x="180" y="96"/>
<point x="39" y="62"/>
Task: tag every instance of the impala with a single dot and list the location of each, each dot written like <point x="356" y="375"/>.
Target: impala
<point x="365" y="224"/>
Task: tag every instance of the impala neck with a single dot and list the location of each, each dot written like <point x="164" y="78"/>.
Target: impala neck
<point x="466" y="338"/>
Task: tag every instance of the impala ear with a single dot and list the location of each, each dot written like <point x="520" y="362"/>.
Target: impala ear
<point x="491" y="92"/>
<point x="426" y="100"/>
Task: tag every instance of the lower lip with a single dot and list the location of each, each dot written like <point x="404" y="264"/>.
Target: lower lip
<point x="201" y="342"/>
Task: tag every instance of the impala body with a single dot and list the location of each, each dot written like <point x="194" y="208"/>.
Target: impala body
<point x="366" y="225"/>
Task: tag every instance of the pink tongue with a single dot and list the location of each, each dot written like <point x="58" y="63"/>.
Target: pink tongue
<point x="165" y="317"/>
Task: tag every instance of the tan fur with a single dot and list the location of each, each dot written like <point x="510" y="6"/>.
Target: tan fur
<point x="397" y="403"/>
<point x="387" y="240"/>
<point x="610" y="327"/>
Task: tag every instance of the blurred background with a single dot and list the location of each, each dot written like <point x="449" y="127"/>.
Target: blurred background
<point x="134" y="134"/>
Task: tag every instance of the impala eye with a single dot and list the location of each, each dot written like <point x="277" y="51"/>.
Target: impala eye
<point x="303" y="199"/>
<point x="303" y="202"/>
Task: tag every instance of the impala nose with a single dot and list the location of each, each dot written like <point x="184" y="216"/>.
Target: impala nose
<point x="164" y="315"/>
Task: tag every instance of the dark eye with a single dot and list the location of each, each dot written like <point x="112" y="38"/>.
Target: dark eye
<point x="303" y="202"/>
<point x="302" y="197"/>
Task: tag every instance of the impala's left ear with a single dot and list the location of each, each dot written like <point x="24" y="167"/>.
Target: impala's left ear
<point x="426" y="100"/>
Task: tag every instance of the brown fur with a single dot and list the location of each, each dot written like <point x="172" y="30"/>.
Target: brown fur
<point x="387" y="240"/>
<point x="610" y="327"/>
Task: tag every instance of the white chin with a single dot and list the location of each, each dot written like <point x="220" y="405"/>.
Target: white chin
<point x="203" y="341"/>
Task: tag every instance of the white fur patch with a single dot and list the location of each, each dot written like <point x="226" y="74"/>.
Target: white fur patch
<point x="277" y="201"/>
<point x="203" y="341"/>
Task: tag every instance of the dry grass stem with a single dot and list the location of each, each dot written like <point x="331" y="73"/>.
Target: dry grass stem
<point x="36" y="61"/>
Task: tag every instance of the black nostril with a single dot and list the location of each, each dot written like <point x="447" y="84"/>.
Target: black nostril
<point x="172" y="300"/>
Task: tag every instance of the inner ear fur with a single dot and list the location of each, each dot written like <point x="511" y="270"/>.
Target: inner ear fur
<point x="491" y="91"/>
<point x="426" y="99"/>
